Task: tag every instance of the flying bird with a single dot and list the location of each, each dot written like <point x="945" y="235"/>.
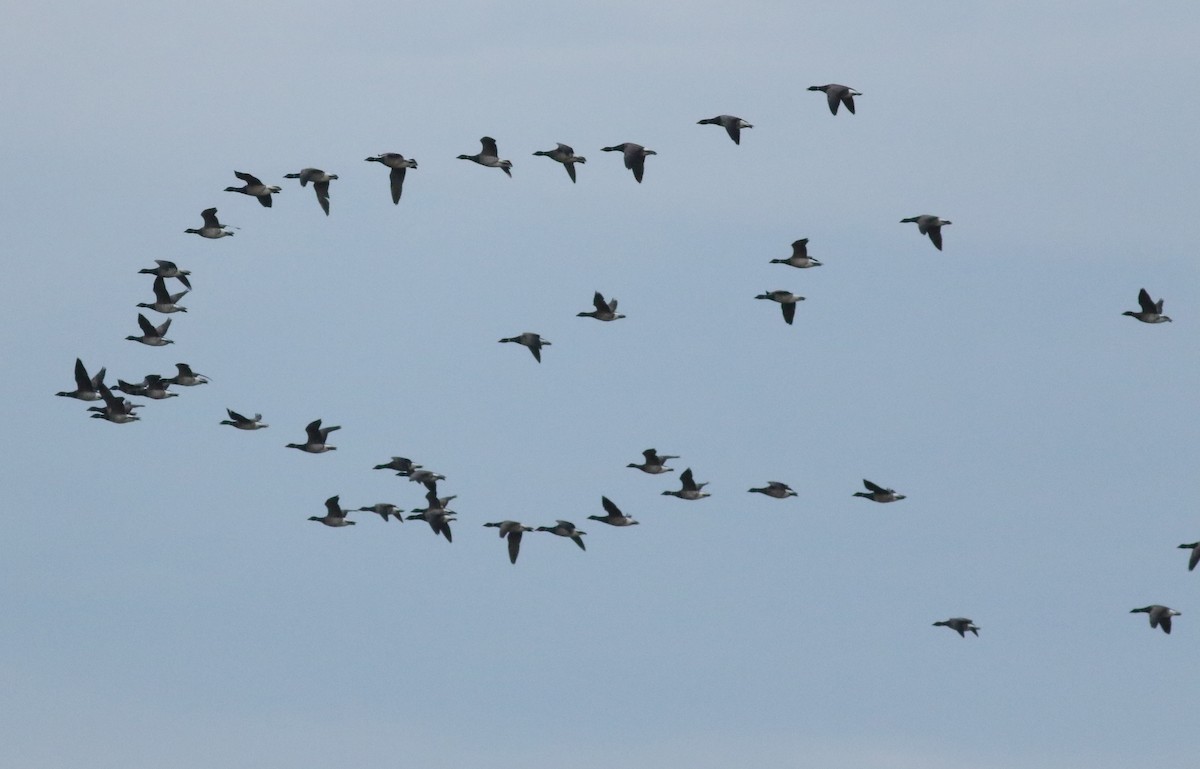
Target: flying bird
<point x="929" y="225"/>
<point x="635" y="157"/>
<point x="776" y="489"/>
<point x="837" y="94"/>
<point x="565" y="155"/>
<point x="787" y="302"/>
<point x="604" y="310"/>
<point x="489" y="156"/>
<point x="513" y="531"/>
<point x="320" y="182"/>
<point x="654" y="464"/>
<point x="243" y="423"/>
<point x="86" y="388"/>
<point x="399" y="164"/>
<point x="1160" y="616"/>
<point x="732" y="125"/>
<point x="152" y="335"/>
<point x="690" y="489"/>
<point x="533" y="341"/>
<point x="877" y="493"/>
<point x="212" y="228"/>
<point x="799" y="257"/>
<point x="164" y="301"/>
<point x="335" y="516"/>
<point x="614" y="515"/>
<point x="1151" y="310"/>
<point x="167" y="269"/>
<point x="317" y="436"/>
<point x="959" y="625"/>
<point x="254" y="188"/>
<point x="566" y="529"/>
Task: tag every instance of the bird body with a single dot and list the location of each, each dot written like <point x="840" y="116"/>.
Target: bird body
<point x="787" y="302"/>
<point x="566" y="529"/>
<point x="533" y="341"/>
<point x="690" y="489"/>
<point x="1151" y="310"/>
<point x="254" y="188"/>
<point x="877" y="493"/>
<point x="799" y="257"/>
<point x="167" y="269"/>
<point x="776" y="489"/>
<point x="154" y="336"/>
<point x="489" y="156"/>
<point x="320" y="182"/>
<point x="565" y="155"/>
<point x="654" y="464"/>
<point x="164" y="301"/>
<point x="86" y="388"/>
<point x="317" y="436"/>
<point x="1160" y="616"/>
<point x="398" y="165"/>
<point x="614" y="515"/>
<point x="1195" y="557"/>
<point x="635" y="157"/>
<point x="513" y="531"/>
<point x="604" y="310"/>
<point x="243" y="423"/>
<point x="837" y="94"/>
<point x="930" y="225"/>
<point x="212" y="228"/>
<point x="959" y="625"/>
<point x="335" y="515"/>
<point x="733" y="125"/>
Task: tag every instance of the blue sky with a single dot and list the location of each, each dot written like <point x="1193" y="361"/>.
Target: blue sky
<point x="167" y="603"/>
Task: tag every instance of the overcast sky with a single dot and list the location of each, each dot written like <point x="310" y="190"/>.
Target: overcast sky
<point x="165" y="602"/>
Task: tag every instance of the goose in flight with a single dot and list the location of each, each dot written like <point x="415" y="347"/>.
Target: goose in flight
<point x="320" y="182"/>
<point x="317" y="436"/>
<point x="489" y="156"/>
<point x="877" y="493"/>
<point x="635" y="157"/>
<point x="243" y="423"/>
<point x="254" y="188"/>
<point x="787" y="302"/>
<point x="533" y="341"/>
<point x="399" y="164"/>
<point x="614" y="515"/>
<point x="690" y="489"/>
<point x="1160" y="616"/>
<point x="837" y="94"/>
<point x="212" y="228"/>
<point x="604" y="310"/>
<point x="86" y="388"/>
<point x="566" y="529"/>
<point x="799" y="257"/>
<point x="335" y="516"/>
<point x="565" y="155"/>
<point x="959" y="625"/>
<point x="930" y="225"/>
<point x="1151" y="310"/>
<point x="513" y="530"/>
<point x="732" y="125"/>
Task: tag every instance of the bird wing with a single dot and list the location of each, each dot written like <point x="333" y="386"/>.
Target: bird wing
<point x="146" y="326"/>
<point x="322" y="189"/>
<point x="397" y="179"/>
<point x="635" y="160"/>
<point x="1146" y="302"/>
<point x="734" y="129"/>
<point x="1195" y="559"/>
<point x="489" y="147"/>
<point x="160" y="291"/>
<point x="874" y="487"/>
<point x="800" y="248"/>
<point x="789" y="312"/>
<point x="610" y="508"/>
<point x="601" y="305"/>
<point x="689" y="483"/>
<point x="831" y="95"/>
<point x="247" y="178"/>
<point x="570" y="169"/>
<point x="236" y="417"/>
<point x="335" y="510"/>
<point x="82" y="382"/>
<point x="514" y="544"/>
<point x="848" y="100"/>
<point x="935" y="234"/>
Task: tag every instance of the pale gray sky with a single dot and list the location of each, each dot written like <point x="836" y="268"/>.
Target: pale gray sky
<point x="167" y="604"/>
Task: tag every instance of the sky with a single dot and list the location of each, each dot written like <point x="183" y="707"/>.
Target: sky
<point x="165" y="602"/>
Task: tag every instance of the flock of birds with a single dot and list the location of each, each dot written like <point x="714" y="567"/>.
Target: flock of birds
<point x="436" y="513"/>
